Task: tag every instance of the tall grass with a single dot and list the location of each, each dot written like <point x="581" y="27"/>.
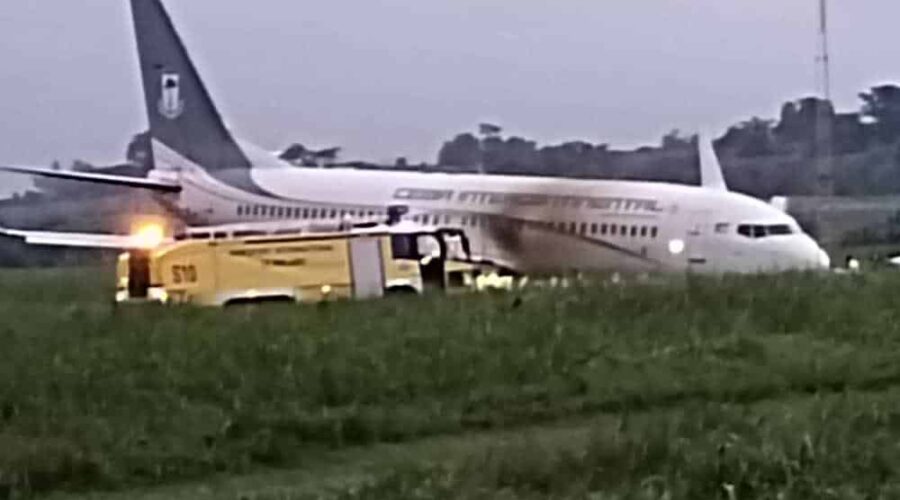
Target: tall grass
<point x="97" y="397"/>
<point x="836" y="447"/>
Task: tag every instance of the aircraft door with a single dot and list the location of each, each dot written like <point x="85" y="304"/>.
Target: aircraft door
<point x="367" y="268"/>
<point x="698" y="240"/>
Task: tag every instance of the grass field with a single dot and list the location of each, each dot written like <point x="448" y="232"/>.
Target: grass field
<point x="735" y="388"/>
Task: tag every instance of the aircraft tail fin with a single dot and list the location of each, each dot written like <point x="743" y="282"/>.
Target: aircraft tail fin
<point x="711" y="175"/>
<point x="182" y="115"/>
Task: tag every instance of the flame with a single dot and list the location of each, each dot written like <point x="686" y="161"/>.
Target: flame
<point x="150" y="235"/>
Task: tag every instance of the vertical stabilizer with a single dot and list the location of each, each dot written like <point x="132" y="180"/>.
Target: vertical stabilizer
<point x="182" y="115"/>
<point x="711" y="175"/>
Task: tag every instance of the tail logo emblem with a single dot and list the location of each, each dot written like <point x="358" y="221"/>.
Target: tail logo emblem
<point x="171" y="105"/>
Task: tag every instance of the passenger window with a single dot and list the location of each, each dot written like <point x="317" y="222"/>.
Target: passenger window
<point x="634" y="231"/>
<point x="594" y="228"/>
<point x="604" y="229"/>
<point x="333" y="214"/>
<point x="584" y="227"/>
<point x="240" y="210"/>
<point x="573" y="227"/>
<point x="654" y="232"/>
<point x="613" y="229"/>
<point x="643" y="231"/>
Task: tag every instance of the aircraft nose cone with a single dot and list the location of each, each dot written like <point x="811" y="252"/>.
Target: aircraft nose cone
<point x="808" y="255"/>
<point x="824" y="260"/>
<point x="816" y="256"/>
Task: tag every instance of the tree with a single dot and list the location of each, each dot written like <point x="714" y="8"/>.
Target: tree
<point x="805" y="122"/>
<point x="140" y="151"/>
<point x="461" y="153"/>
<point x="751" y="138"/>
<point x="295" y="153"/>
<point x="675" y="140"/>
<point x="882" y="106"/>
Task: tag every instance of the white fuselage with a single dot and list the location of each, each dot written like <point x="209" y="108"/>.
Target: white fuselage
<point x="530" y="224"/>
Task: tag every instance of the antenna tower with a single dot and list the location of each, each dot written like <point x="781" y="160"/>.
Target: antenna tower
<point x="824" y="119"/>
<point x="824" y="58"/>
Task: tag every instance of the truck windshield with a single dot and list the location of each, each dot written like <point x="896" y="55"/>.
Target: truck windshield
<point x="415" y="246"/>
<point x="404" y="246"/>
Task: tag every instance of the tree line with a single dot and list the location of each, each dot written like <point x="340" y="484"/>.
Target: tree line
<point x="763" y="157"/>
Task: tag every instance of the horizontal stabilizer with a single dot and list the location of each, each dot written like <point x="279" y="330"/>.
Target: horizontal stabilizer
<point x="112" y="180"/>
<point x="80" y="240"/>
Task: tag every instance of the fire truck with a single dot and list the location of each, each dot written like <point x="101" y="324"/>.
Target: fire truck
<point x="226" y="268"/>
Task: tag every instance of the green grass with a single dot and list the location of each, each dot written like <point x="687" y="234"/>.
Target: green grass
<point x="834" y="447"/>
<point x="93" y="398"/>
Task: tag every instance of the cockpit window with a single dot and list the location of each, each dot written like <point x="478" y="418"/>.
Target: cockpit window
<point x="780" y="230"/>
<point x="757" y="231"/>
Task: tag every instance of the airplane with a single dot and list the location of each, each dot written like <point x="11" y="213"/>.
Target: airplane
<point x="527" y="224"/>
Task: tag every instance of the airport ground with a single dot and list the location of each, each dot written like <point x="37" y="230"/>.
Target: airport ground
<point x="736" y="388"/>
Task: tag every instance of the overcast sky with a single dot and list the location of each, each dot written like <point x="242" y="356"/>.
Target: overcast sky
<point x="388" y="78"/>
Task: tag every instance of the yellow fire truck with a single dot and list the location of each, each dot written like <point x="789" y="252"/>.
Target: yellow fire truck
<point x="218" y="269"/>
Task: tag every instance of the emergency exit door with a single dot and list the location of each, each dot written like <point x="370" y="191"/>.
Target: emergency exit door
<point x="366" y="268"/>
<point x="698" y="240"/>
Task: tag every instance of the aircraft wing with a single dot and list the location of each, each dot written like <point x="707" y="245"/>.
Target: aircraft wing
<point x="115" y="180"/>
<point x="82" y="240"/>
